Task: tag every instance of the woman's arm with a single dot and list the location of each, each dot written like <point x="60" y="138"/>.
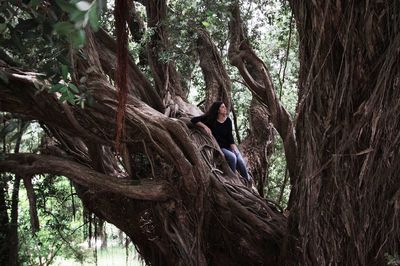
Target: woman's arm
<point x="203" y="126"/>
<point x="197" y="121"/>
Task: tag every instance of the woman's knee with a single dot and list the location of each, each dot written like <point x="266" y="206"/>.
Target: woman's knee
<point x="230" y="157"/>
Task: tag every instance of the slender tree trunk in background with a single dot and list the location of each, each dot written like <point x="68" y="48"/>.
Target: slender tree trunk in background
<point x="32" y="204"/>
<point x="346" y="201"/>
<point x="102" y="233"/>
<point x="121" y="237"/>
<point x="4" y="222"/>
<point x="13" y="226"/>
<point x="137" y="30"/>
<point x="4" y="219"/>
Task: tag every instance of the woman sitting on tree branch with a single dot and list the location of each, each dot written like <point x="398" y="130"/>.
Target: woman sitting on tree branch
<point x="217" y="123"/>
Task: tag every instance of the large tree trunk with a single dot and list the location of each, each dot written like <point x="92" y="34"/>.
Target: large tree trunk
<point x="347" y="195"/>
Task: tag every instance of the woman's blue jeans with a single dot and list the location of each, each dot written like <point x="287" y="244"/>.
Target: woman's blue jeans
<point x="235" y="161"/>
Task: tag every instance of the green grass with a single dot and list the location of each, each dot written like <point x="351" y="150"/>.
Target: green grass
<point x="106" y="257"/>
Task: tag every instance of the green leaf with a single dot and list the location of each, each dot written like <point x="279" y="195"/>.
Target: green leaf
<point x="56" y="87"/>
<point x="64" y="72"/>
<point x="77" y="15"/>
<point x="64" y="90"/>
<point x="62" y="98"/>
<point x="205" y="24"/>
<point x="70" y="99"/>
<point x="64" y="27"/>
<point x="73" y="88"/>
<point x="65" y="6"/>
<point x="94" y="18"/>
<point x="78" y="38"/>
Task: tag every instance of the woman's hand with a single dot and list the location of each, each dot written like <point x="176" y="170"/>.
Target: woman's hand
<point x="234" y="148"/>
<point x="206" y="128"/>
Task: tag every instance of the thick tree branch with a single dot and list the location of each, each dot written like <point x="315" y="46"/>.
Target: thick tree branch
<point x="258" y="79"/>
<point x="20" y="95"/>
<point x="138" y="84"/>
<point x="31" y="164"/>
<point x="218" y="84"/>
<point x="166" y="77"/>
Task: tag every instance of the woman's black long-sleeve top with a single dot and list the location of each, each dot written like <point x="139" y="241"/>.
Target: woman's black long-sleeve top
<point x="222" y="132"/>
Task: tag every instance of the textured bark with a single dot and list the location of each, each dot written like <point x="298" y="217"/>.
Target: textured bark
<point x="258" y="150"/>
<point x="167" y="79"/>
<point x="30" y="164"/>
<point x="138" y="84"/>
<point x="346" y="210"/>
<point x="218" y="84"/>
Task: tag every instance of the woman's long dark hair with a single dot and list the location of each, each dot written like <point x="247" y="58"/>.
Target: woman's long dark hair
<point x="212" y="114"/>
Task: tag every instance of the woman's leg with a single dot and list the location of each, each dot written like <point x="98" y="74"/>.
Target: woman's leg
<point x="231" y="158"/>
<point x="241" y="166"/>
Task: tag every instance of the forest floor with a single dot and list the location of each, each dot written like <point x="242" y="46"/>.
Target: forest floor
<point x="111" y="256"/>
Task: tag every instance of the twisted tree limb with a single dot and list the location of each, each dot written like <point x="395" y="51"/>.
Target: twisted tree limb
<point x="258" y="79"/>
<point x="31" y="164"/>
<point x="218" y="84"/>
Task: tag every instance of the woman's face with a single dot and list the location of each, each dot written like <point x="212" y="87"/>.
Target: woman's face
<point x="222" y="109"/>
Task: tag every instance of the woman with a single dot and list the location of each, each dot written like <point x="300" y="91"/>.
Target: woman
<point x="216" y="123"/>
